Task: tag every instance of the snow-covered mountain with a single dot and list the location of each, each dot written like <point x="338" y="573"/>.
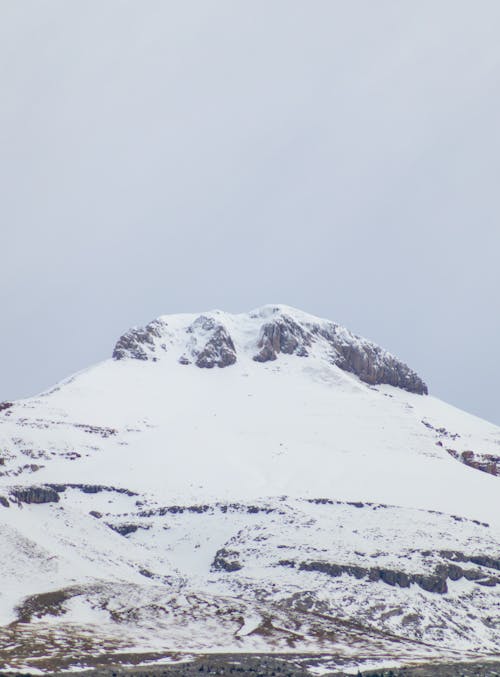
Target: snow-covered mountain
<point x="237" y="483"/>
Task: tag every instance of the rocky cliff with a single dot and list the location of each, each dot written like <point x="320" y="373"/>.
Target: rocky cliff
<point x="218" y="339"/>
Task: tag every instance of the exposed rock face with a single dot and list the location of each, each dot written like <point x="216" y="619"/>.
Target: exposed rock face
<point x="434" y="582"/>
<point x="214" y="339"/>
<point x="284" y="335"/>
<point x="42" y="494"/>
<point x="351" y="353"/>
<point x="369" y="362"/>
<point x="139" y="343"/>
<point x="481" y="560"/>
<point x="485" y="462"/>
<point x="219" y="350"/>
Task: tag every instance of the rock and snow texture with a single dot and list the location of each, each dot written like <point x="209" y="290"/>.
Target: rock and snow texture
<point x="265" y="334"/>
<point x="260" y="482"/>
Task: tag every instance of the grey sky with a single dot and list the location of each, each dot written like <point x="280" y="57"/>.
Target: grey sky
<point x="339" y="156"/>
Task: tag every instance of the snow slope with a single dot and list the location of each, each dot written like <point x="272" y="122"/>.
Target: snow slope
<point x="246" y="483"/>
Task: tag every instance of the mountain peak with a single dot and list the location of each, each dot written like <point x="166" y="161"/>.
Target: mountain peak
<point x="236" y="484"/>
<point x="220" y="339"/>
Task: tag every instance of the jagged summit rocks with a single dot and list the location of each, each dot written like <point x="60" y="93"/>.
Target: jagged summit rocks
<point x="218" y="339"/>
<point x="210" y="344"/>
<point x="283" y="335"/>
<point x="139" y="343"/>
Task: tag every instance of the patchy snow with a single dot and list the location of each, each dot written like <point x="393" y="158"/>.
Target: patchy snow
<point x="208" y="548"/>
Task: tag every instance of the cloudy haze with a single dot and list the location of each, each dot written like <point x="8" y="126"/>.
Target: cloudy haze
<point x="338" y="156"/>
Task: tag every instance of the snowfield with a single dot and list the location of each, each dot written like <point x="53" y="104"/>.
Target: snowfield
<point x="244" y="483"/>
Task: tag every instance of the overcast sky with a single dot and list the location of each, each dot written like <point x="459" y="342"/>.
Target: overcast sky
<point x="341" y="156"/>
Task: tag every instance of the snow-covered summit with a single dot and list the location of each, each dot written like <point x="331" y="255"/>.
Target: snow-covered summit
<point x="219" y="339"/>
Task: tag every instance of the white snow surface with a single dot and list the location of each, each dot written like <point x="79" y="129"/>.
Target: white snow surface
<point x="233" y="460"/>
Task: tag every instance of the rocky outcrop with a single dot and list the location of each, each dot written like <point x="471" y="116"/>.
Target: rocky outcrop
<point x="139" y="343"/>
<point x="369" y="362"/>
<point x="485" y="462"/>
<point x="49" y="493"/>
<point x="433" y="582"/>
<point x="207" y="343"/>
<point x="283" y="335"/>
<point x="203" y="508"/>
<point x="488" y="463"/>
<point x="218" y="350"/>
<point x="488" y="561"/>
<point x="41" y="494"/>
<point x="91" y="488"/>
<point x="175" y="510"/>
<point x="126" y="529"/>
<point x="226" y="560"/>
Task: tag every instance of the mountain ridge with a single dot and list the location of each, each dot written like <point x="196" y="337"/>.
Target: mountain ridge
<point x="269" y="330"/>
